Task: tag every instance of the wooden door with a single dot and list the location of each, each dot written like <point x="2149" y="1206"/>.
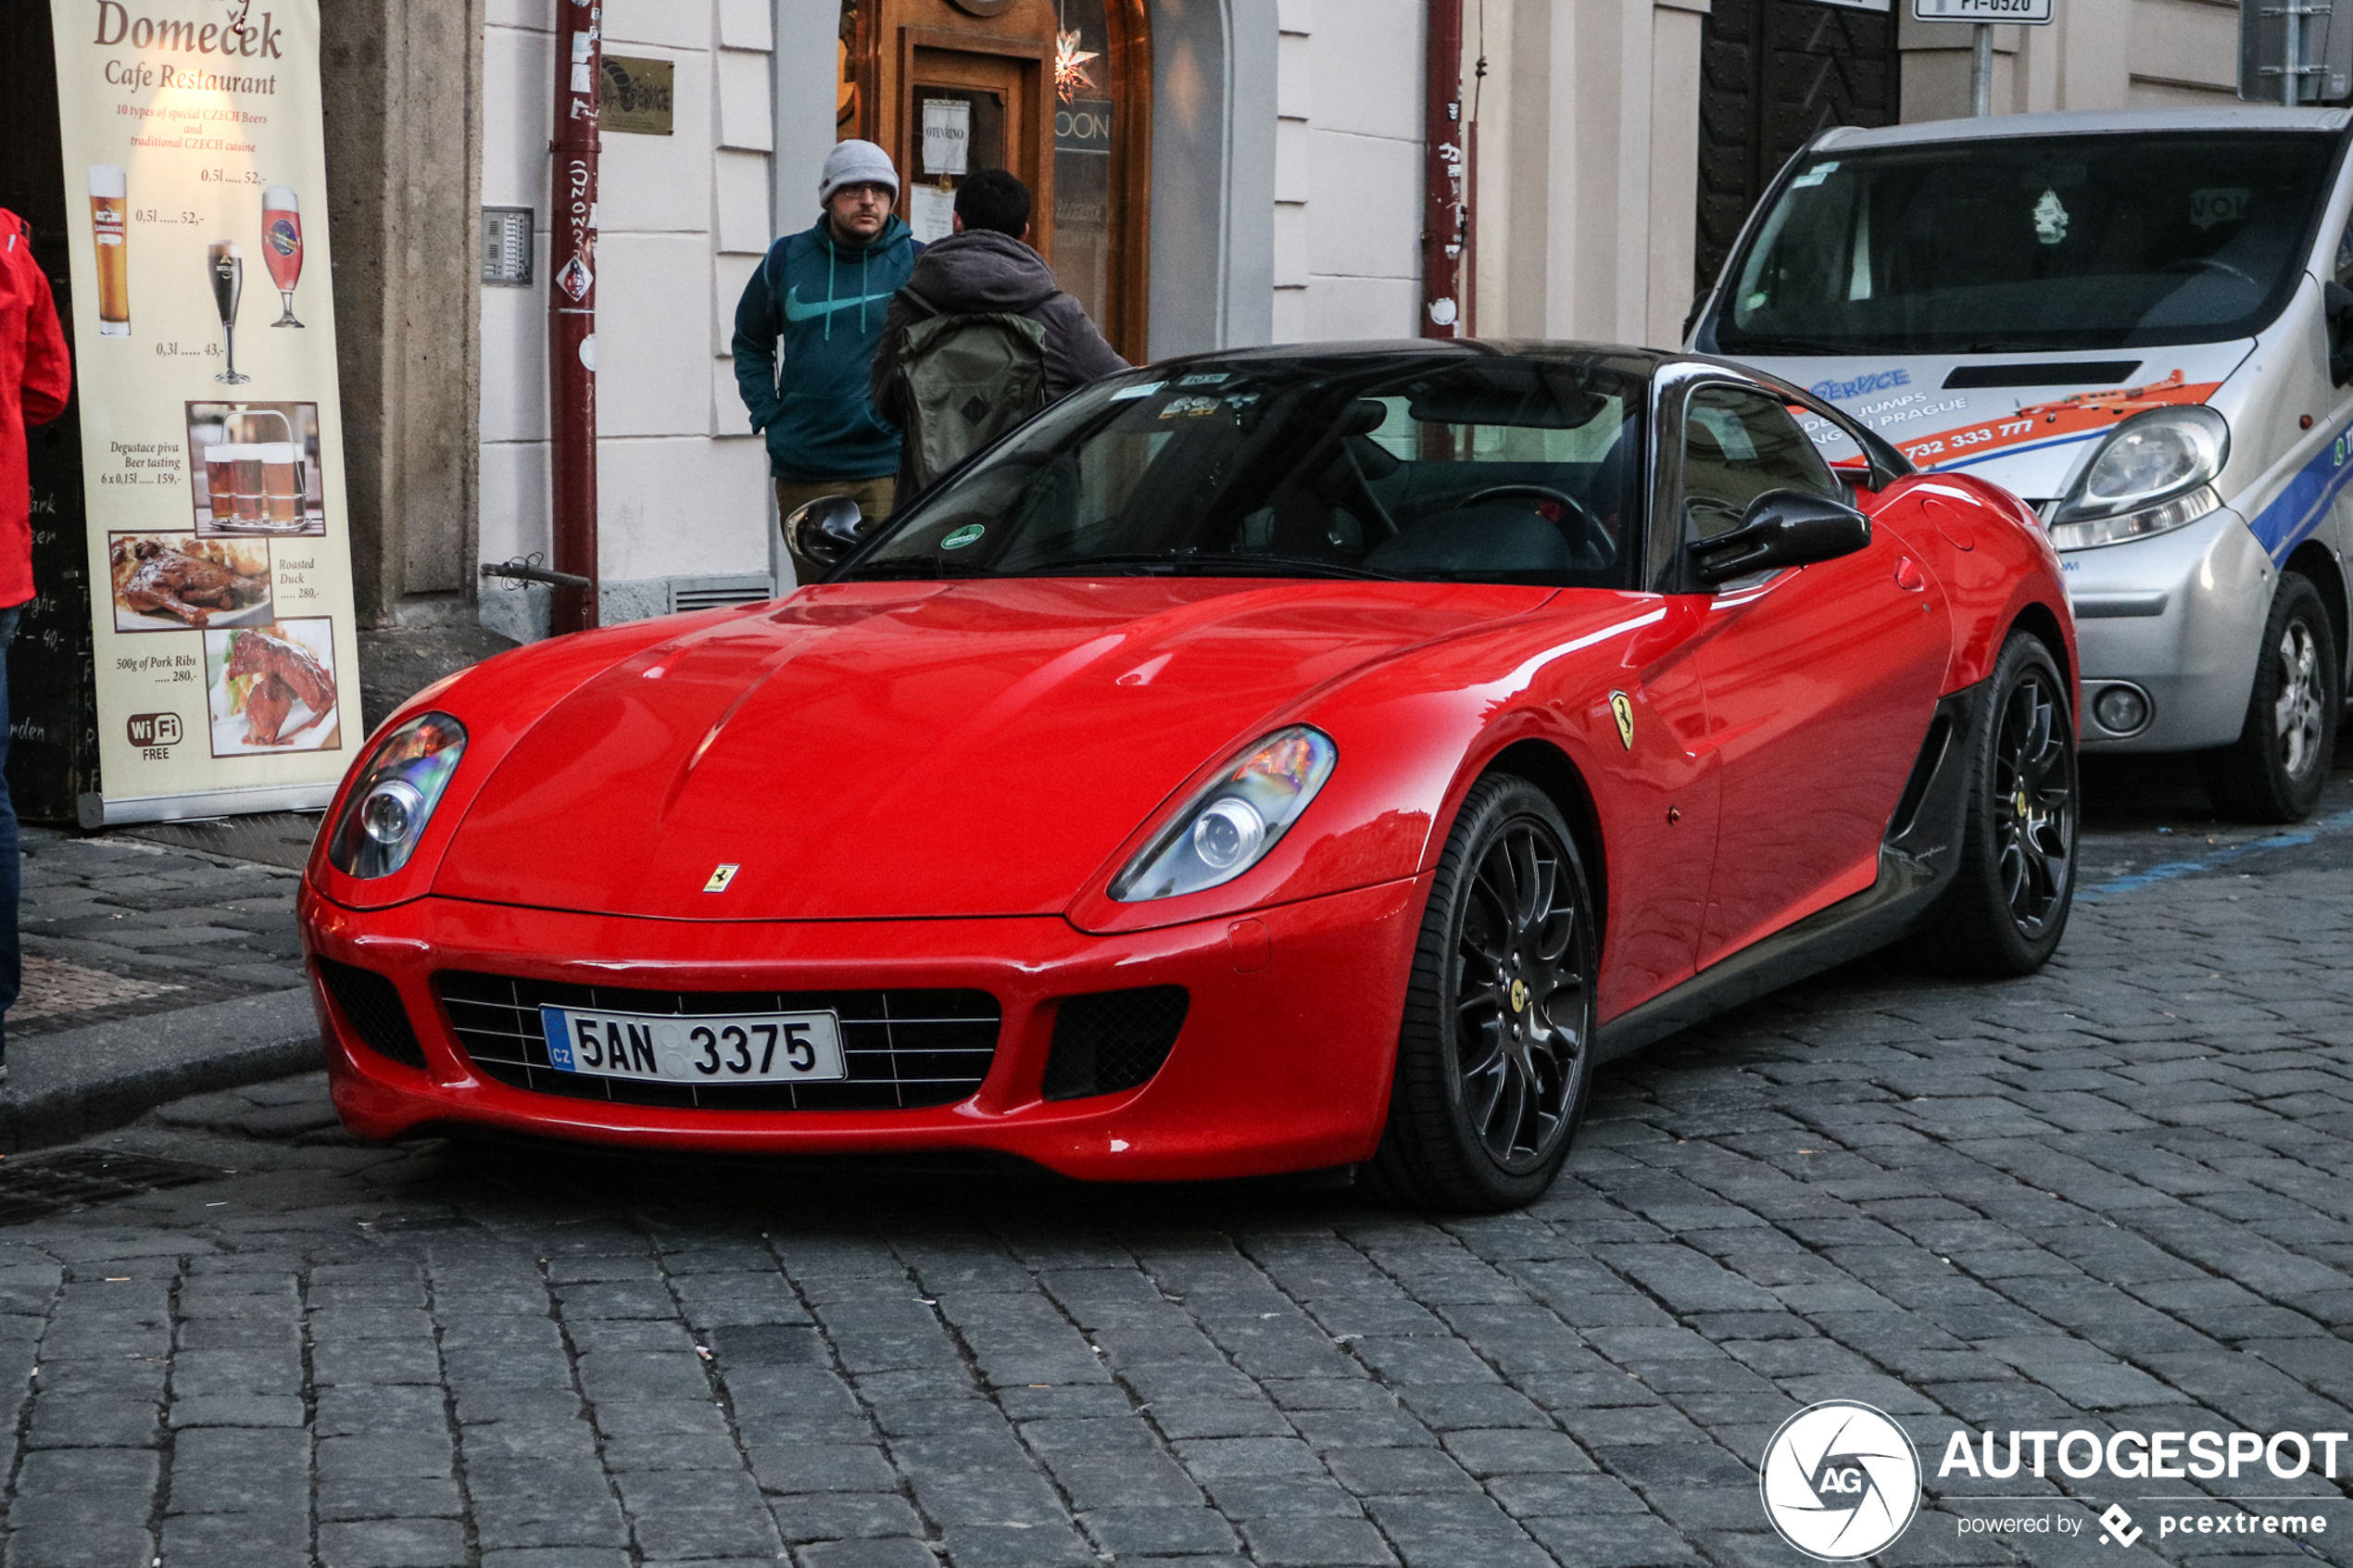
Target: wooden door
<point x="990" y="69"/>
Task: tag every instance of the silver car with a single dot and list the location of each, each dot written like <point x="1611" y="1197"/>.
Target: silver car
<point x="2143" y="324"/>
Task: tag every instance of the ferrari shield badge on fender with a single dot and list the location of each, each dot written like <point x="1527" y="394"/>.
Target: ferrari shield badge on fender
<point x="720" y="878"/>
<point x="1623" y="707"/>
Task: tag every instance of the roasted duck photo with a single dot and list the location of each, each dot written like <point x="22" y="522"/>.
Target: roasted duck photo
<point x="167" y="583"/>
<point x="273" y="688"/>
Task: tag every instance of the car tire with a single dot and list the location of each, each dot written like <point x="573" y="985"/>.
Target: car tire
<point x="1494" y="1058"/>
<point x="2274" y="771"/>
<point x="2006" y="910"/>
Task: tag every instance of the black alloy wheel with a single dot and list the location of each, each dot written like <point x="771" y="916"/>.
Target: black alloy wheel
<point x="1495" y="1057"/>
<point x="2275" y="770"/>
<point x="2007" y="904"/>
<point x="2035" y="803"/>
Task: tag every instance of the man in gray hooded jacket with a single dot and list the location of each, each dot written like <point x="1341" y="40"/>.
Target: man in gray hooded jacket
<point x="986" y="266"/>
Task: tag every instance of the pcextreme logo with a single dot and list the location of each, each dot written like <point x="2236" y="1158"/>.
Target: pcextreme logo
<point x="1841" y="1480"/>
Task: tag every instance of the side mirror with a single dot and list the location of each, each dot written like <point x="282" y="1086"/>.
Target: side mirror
<point x="1782" y="528"/>
<point x="826" y="530"/>
<point x="2337" y="306"/>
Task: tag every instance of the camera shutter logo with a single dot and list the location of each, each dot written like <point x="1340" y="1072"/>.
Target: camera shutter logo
<point x="1841" y="1480"/>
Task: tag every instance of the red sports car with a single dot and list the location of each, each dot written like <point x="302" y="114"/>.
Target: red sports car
<point x="1260" y="762"/>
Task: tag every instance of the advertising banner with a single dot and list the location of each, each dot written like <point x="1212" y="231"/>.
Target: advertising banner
<point x="212" y="442"/>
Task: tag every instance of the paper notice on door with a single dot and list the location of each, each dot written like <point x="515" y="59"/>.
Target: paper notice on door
<point x="931" y="212"/>
<point x="948" y="134"/>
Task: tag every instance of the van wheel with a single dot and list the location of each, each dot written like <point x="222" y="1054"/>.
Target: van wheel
<point x="1496" y="1054"/>
<point x="2275" y="770"/>
<point x="2008" y="906"/>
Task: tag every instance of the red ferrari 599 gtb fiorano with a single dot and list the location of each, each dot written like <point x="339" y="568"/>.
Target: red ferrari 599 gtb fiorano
<point x="1263" y="762"/>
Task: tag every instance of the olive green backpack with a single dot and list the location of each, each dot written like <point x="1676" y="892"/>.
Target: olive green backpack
<point x="970" y="378"/>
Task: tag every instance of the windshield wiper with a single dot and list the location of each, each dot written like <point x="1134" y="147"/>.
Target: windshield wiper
<point x="1213" y="564"/>
<point x="1742" y="343"/>
<point x="905" y="568"/>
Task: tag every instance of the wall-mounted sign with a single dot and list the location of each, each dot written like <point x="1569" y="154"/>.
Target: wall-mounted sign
<point x="2021" y="13"/>
<point x="633" y="96"/>
<point x="212" y="426"/>
<point x="1083" y="125"/>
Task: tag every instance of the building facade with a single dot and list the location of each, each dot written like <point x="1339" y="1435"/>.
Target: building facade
<point x="1213" y="173"/>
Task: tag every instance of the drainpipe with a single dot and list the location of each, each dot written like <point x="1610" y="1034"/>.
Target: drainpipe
<point x="1442" y="203"/>
<point x="572" y="311"/>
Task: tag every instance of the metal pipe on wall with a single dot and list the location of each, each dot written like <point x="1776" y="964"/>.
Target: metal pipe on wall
<point x="572" y="311"/>
<point x="1442" y="203"/>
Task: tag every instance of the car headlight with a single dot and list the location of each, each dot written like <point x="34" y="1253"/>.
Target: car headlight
<point x="1230" y="825"/>
<point x="386" y="811"/>
<point x="2153" y="472"/>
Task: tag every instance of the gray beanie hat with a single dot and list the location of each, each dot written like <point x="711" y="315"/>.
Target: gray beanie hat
<point x="856" y="163"/>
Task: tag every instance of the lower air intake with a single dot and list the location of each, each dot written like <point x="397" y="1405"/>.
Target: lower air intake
<point x="371" y="1005"/>
<point x="1113" y="1041"/>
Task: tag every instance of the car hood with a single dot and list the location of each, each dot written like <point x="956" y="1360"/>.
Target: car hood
<point x="873" y="750"/>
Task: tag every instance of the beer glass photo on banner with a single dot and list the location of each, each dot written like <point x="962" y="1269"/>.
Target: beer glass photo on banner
<point x="211" y="424"/>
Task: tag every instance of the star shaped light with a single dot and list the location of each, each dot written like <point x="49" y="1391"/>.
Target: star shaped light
<point x="1070" y="76"/>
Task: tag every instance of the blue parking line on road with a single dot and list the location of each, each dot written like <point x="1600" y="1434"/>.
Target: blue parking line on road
<point x="2134" y="881"/>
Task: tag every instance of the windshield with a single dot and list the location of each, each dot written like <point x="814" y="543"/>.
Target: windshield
<point x="2025" y="244"/>
<point x="1392" y="466"/>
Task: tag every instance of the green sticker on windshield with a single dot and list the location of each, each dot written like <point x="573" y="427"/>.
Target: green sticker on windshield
<point x="969" y="534"/>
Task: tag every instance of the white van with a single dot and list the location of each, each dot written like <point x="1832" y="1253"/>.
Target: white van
<point x="2140" y="323"/>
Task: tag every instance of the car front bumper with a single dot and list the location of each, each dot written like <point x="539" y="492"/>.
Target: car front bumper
<point x="1283" y="1062"/>
<point x="2178" y="615"/>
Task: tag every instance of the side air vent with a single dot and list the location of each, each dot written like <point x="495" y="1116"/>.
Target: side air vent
<point x="1113" y="1041"/>
<point x="372" y="1006"/>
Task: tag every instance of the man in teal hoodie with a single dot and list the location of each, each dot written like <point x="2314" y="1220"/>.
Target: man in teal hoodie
<point x="823" y="293"/>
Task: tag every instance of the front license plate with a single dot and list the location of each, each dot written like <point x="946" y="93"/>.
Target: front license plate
<point x="763" y="1048"/>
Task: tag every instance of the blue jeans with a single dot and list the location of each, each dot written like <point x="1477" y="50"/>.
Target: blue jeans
<point x="11" y="943"/>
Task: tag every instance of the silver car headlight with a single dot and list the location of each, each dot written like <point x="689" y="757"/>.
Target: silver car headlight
<point x="1230" y="825"/>
<point x="389" y="805"/>
<point x="2153" y="472"/>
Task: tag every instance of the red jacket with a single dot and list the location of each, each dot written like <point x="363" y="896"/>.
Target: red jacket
<point x="36" y="376"/>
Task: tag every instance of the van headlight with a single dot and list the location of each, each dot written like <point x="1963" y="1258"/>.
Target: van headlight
<point x="2153" y="473"/>
<point x="1230" y="825"/>
<point x="393" y="798"/>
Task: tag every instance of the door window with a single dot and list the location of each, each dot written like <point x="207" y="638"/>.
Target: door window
<point x="1738" y="444"/>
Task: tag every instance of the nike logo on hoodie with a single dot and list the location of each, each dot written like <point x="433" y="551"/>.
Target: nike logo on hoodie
<point x="796" y="311"/>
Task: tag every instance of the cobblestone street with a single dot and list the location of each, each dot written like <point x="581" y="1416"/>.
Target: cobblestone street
<point x="2114" y="1196"/>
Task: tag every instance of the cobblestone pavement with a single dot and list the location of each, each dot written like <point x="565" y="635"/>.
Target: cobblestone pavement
<point x="118" y="926"/>
<point x="2111" y="1198"/>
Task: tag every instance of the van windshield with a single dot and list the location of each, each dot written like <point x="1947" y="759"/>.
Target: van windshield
<point x="2024" y="243"/>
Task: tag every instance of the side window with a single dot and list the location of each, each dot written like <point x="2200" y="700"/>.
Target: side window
<point x="2345" y="256"/>
<point x="1737" y="445"/>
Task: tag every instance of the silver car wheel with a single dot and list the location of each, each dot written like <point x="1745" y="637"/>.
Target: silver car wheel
<point x="2298" y="718"/>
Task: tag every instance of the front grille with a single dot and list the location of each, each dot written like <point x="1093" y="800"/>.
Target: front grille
<point x="1113" y="1041"/>
<point x="371" y="1005"/>
<point x="904" y="1050"/>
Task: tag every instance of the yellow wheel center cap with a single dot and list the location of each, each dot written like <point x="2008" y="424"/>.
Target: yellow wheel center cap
<point x="1519" y="996"/>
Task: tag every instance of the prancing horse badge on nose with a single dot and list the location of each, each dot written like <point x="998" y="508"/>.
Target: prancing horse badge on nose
<point x="1623" y="707"/>
<point x="719" y="879"/>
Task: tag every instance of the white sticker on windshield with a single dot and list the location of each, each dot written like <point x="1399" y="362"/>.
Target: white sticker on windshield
<point x="1129" y="394"/>
<point x="1220" y="379"/>
<point x="2050" y="219"/>
<point x="2224" y="205"/>
<point x="1815" y="175"/>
